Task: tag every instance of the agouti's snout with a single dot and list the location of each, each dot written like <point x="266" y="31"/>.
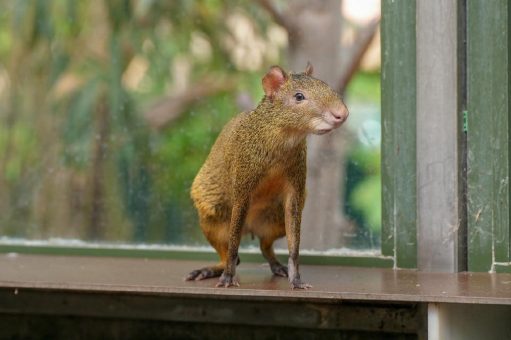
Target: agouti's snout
<point x="332" y="118"/>
<point x="339" y="115"/>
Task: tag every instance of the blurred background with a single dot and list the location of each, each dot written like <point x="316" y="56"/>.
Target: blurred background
<point x="108" y="108"/>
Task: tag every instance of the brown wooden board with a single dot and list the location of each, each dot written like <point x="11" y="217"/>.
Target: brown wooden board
<point x="330" y="283"/>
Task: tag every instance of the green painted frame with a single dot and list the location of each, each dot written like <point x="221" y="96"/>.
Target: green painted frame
<point x="488" y="137"/>
<point x="399" y="195"/>
<point x="112" y="251"/>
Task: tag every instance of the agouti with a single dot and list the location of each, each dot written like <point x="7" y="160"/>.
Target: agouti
<point x="253" y="180"/>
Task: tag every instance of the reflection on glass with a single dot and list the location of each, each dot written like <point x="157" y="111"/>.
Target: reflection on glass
<point x="108" y="109"/>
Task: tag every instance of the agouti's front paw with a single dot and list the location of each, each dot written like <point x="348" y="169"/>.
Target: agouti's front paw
<point x="227" y="280"/>
<point x="298" y="284"/>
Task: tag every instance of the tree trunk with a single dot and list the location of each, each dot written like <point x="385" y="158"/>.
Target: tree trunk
<point x="315" y="36"/>
<point x="99" y="156"/>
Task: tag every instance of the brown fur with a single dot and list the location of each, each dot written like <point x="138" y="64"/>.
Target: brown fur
<point x="253" y="180"/>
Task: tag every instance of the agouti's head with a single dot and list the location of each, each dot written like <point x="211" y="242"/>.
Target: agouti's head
<point x="304" y="104"/>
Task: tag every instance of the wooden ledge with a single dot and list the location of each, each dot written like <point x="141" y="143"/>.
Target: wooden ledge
<point x="331" y="283"/>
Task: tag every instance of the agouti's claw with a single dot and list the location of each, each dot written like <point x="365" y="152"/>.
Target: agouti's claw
<point x="227" y="281"/>
<point x="193" y="275"/>
<point x="298" y="284"/>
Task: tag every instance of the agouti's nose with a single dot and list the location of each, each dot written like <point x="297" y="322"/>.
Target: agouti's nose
<point x="337" y="114"/>
<point x="340" y="114"/>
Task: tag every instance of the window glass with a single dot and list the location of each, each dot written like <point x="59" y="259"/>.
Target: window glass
<point x="109" y="108"/>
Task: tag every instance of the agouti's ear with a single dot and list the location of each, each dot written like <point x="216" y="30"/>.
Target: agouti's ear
<point x="273" y="80"/>
<point x="309" y="69"/>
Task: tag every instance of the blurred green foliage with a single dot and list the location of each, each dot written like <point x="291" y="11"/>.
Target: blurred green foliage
<point x="69" y="114"/>
<point x="365" y="87"/>
<point x="363" y="189"/>
<point x="78" y="156"/>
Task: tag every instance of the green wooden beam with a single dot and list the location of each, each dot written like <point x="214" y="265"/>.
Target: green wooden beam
<point x="178" y="254"/>
<point x="502" y="268"/>
<point x="399" y="234"/>
<point x="488" y="133"/>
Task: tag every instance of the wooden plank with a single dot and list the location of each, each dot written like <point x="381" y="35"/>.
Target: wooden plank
<point x="23" y="326"/>
<point x="332" y="284"/>
<point x="437" y="130"/>
<point x="488" y="133"/>
<point x="399" y="132"/>
<point x="401" y="318"/>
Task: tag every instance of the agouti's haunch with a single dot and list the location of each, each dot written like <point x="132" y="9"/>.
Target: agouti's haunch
<point x="253" y="180"/>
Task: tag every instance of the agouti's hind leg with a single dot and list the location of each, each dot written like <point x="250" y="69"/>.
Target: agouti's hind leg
<point x="277" y="268"/>
<point x="216" y="233"/>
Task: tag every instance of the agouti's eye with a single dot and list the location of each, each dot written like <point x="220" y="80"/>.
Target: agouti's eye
<point x="299" y="96"/>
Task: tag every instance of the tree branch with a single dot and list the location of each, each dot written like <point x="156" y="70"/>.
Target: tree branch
<point x="170" y="108"/>
<point x="360" y="47"/>
<point x="277" y="15"/>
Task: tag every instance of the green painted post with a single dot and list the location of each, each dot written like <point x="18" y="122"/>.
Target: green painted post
<point x="399" y="235"/>
<point x="488" y="133"/>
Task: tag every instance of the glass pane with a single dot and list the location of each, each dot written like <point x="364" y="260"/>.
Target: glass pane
<point x="108" y="109"/>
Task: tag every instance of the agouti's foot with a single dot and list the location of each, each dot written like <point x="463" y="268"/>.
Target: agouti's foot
<point x="204" y="273"/>
<point x="298" y="284"/>
<point x="227" y="281"/>
<point x="279" y="269"/>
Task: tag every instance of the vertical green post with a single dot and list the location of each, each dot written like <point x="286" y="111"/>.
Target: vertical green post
<point x="399" y="235"/>
<point x="488" y="133"/>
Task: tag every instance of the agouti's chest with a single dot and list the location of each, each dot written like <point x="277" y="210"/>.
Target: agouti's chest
<point x="266" y="200"/>
<point x="272" y="186"/>
<point x="275" y="183"/>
